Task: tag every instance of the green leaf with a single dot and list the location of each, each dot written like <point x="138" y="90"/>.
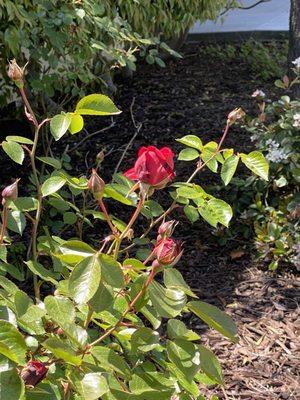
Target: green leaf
<point x="151" y="385"/>
<point x="134" y="263"/>
<point x="174" y="280"/>
<point x="185" y="355"/>
<point x="154" y="208"/>
<point x="102" y="299"/>
<point x="191" y="141"/>
<point x="3" y="253"/>
<point x="12" y="343"/>
<point x="51" y="161"/>
<point x="216" y="211"/>
<point x="188" y="155"/>
<point x="62" y="350"/>
<point x="74" y="251"/>
<point x="8" y="285"/>
<point x="192" y="213"/>
<point x="85" y="279"/>
<point x="257" y="163"/>
<point x="191" y="192"/>
<point x="111" y="271"/>
<point x="24" y="204"/>
<point x="52" y="185"/>
<point x="111" y="361"/>
<point x="22" y="302"/>
<point x="112" y="193"/>
<point x="209" y="153"/>
<point x="7" y="315"/>
<point x="69" y="218"/>
<point x="11" y="385"/>
<point x="16" y="221"/>
<point x="96" y="104"/>
<point x="176" y="329"/>
<point x="60" y="309"/>
<point x="167" y="302"/>
<point x="228" y="168"/>
<point x="214" y="318"/>
<point x="38" y="269"/>
<point x="152" y="316"/>
<point x="14" y="151"/>
<point x="77" y="124"/>
<point x="59" y="125"/>
<point x="210" y="364"/>
<point x="19" y="139"/>
<point x="94" y="386"/>
<point x="144" y="340"/>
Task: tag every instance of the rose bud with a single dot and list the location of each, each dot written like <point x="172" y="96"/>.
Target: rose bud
<point x="236" y="114"/>
<point x="96" y="185"/>
<point x="166" y="229"/>
<point x="154" y="167"/>
<point x="33" y="373"/>
<point x="16" y="73"/>
<point x="10" y="192"/>
<point x="167" y="251"/>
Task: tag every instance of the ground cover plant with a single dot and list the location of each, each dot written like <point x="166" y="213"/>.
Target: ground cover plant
<point x="101" y="323"/>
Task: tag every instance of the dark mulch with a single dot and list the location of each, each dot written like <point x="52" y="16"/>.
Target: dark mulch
<point x="193" y="96"/>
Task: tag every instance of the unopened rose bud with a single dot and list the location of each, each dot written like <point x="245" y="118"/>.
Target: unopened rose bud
<point x="10" y="192"/>
<point x="96" y="185"/>
<point x="33" y="373"/>
<point x="236" y="114"/>
<point x="16" y="73"/>
<point x="167" y="251"/>
<point x="166" y="229"/>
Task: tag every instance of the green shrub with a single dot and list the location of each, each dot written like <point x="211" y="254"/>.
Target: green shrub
<point x="270" y="211"/>
<point x="98" y="323"/>
<point x="79" y="44"/>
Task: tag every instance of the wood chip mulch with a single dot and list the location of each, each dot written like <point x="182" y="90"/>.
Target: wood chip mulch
<point x="265" y="364"/>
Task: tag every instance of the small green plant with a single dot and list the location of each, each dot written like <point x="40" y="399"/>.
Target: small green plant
<point x="103" y="318"/>
<point x="266" y="61"/>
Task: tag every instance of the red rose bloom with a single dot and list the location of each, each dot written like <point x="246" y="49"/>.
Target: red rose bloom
<point x="153" y="166"/>
<point x="167" y="251"/>
<point x="33" y="373"/>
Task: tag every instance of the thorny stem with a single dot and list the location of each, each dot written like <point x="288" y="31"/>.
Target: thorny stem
<point x="133" y="218"/>
<point x="107" y="217"/>
<point x="32" y="153"/>
<point x="4" y="223"/>
<point x="128" y="309"/>
<point x="38" y="210"/>
<point x="28" y="106"/>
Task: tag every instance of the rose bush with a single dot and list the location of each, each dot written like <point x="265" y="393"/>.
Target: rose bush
<point x="103" y="319"/>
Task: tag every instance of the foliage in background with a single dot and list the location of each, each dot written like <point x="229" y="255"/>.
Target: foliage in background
<point x="270" y="211"/>
<point x="266" y="60"/>
<point x="98" y="323"/>
<point x="80" y="44"/>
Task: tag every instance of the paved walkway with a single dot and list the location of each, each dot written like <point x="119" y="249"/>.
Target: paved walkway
<point x="269" y="16"/>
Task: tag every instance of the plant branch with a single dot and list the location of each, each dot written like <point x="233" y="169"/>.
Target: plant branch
<point x="4" y="223"/>
<point x="137" y="130"/>
<point x="128" y="309"/>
